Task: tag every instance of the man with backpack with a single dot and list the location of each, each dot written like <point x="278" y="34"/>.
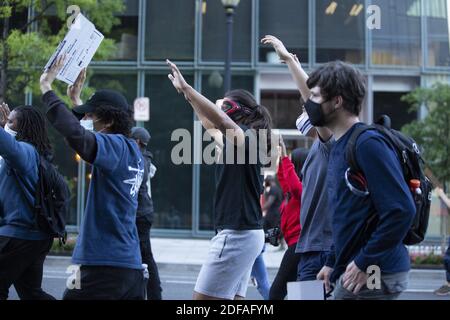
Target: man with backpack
<point x="23" y="245"/>
<point x="107" y="248"/>
<point x="378" y="192"/>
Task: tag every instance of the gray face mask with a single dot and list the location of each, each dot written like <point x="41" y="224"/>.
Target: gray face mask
<point x="10" y="131"/>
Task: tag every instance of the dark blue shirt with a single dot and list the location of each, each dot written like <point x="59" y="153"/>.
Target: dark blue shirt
<point x="108" y="235"/>
<point x="389" y="197"/>
<point x="18" y="177"/>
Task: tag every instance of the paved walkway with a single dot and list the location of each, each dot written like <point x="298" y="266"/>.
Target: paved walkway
<point x="194" y="252"/>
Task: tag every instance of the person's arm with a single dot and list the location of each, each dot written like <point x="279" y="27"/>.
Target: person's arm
<point x="17" y="154"/>
<point x="326" y="271"/>
<point x="298" y="74"/>
<point x="268" y="203"/>
<point x="281" y="177"/>
<point x="441" y="194"/>
<point x="208" y="112"/>
<point x="65" y="122"/>
<point x="282" y="153"/>
<point x="390" y="195"/>
<point x="292" y="180"/>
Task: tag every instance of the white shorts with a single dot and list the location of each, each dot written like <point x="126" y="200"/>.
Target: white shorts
<point x="226" y="272"/>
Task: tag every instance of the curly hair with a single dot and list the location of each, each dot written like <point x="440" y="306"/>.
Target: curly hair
<point x="122" y="120"/>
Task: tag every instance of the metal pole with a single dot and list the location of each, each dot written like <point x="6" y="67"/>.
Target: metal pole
<point x="229" y="53"/>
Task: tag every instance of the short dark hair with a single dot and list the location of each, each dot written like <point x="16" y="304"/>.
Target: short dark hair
<point x="338" y="78"/>
<point x="122" y="120"/>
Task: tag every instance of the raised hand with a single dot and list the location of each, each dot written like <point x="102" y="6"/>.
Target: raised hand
<point x="4" y="114"/>
<point x="49" y="76"/>
<point x="279" y="47"/>
<point x="74" y="91"/>
<point x="177" y="78"/>
<point x="283" y="147"/>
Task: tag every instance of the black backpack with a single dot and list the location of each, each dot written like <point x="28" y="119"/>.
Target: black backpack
<point x="413" y="168"/>
<point x="52" y="199"/>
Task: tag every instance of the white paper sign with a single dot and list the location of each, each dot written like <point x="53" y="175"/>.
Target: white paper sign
<point x="79" y="46"/>
<point x="142" y="109"/>
<point x="306" y="290"/>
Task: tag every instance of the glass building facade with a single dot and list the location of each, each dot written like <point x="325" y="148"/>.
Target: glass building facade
<point x="410" y="49"/>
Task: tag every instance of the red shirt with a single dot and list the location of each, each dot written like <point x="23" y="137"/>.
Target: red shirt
<point x="290" y="207"/>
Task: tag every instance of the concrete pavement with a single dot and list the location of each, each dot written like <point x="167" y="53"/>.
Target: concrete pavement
<point x="179" y="262"/>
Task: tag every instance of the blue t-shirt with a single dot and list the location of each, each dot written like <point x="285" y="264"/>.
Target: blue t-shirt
<point x="108" y="234"/>
<point x="18" y="177"/>
<point x="389" y="197"/>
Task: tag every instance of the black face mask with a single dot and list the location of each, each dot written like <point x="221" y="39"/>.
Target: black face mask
<point x="315" y="113"/>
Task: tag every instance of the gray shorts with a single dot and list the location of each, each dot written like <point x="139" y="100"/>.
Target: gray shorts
<point x="226" y="272"/>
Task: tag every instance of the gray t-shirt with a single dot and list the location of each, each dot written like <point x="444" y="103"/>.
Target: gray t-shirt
<point x="315" y="214"/>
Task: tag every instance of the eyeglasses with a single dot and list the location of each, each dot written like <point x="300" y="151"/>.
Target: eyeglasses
<point x="356" y="183"/>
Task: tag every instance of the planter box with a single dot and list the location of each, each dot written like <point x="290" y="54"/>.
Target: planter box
<point x="60" y="253"/>
<point x="427" y="266"/>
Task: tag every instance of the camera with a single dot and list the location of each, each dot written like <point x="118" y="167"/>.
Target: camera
<point x="273" y="236"/>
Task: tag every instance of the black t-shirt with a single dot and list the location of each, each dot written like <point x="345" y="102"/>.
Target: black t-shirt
<point x="272" y="218"/>
<point x="238" y="188"/>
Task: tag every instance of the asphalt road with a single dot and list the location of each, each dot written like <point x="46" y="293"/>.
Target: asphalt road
<point x="178" y="282"/>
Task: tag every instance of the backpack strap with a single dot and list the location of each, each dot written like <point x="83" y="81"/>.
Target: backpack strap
<point x="350" y="151"/>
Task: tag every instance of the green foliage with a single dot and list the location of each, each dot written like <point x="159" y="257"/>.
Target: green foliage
<point x="29" y="51"/>
<point x="67" y="248"/>
<point x="427" y="259"/>
<point x="432" y="133"/>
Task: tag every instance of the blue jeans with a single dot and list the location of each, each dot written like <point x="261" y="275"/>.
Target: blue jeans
<point x="447" y="261"/>
<point x="259" y="272"/>
<point x="310" y="265"/>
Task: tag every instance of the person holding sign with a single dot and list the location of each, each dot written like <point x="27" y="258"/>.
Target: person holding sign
<point x="238" y="218"/>
<point x="108" y="244"/>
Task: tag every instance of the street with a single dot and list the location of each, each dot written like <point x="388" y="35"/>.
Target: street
<point x="178" y="281"/>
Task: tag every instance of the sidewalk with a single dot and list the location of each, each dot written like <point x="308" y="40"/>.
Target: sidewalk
<point x="185" y="256"/>
<point x="194" y="252"/>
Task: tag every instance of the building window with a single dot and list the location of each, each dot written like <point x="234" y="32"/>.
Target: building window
<point x="170" y="32"/>
<point x="172" y="184"/>
<point x="438" y="27"/>
<point x="398" y="41"/>
<point x="287" y="20"/>
<point x="125" y="33"/>
<point x="214" y="31"/>
<point x="340" y="33"/>
<point x="213" y="91"/>
<point x="284" y="107"/>
<point x="125" y="83"/>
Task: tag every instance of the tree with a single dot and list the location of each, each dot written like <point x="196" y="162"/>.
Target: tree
<point x="433" y="132"/>
<point x="27" y="44"/>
